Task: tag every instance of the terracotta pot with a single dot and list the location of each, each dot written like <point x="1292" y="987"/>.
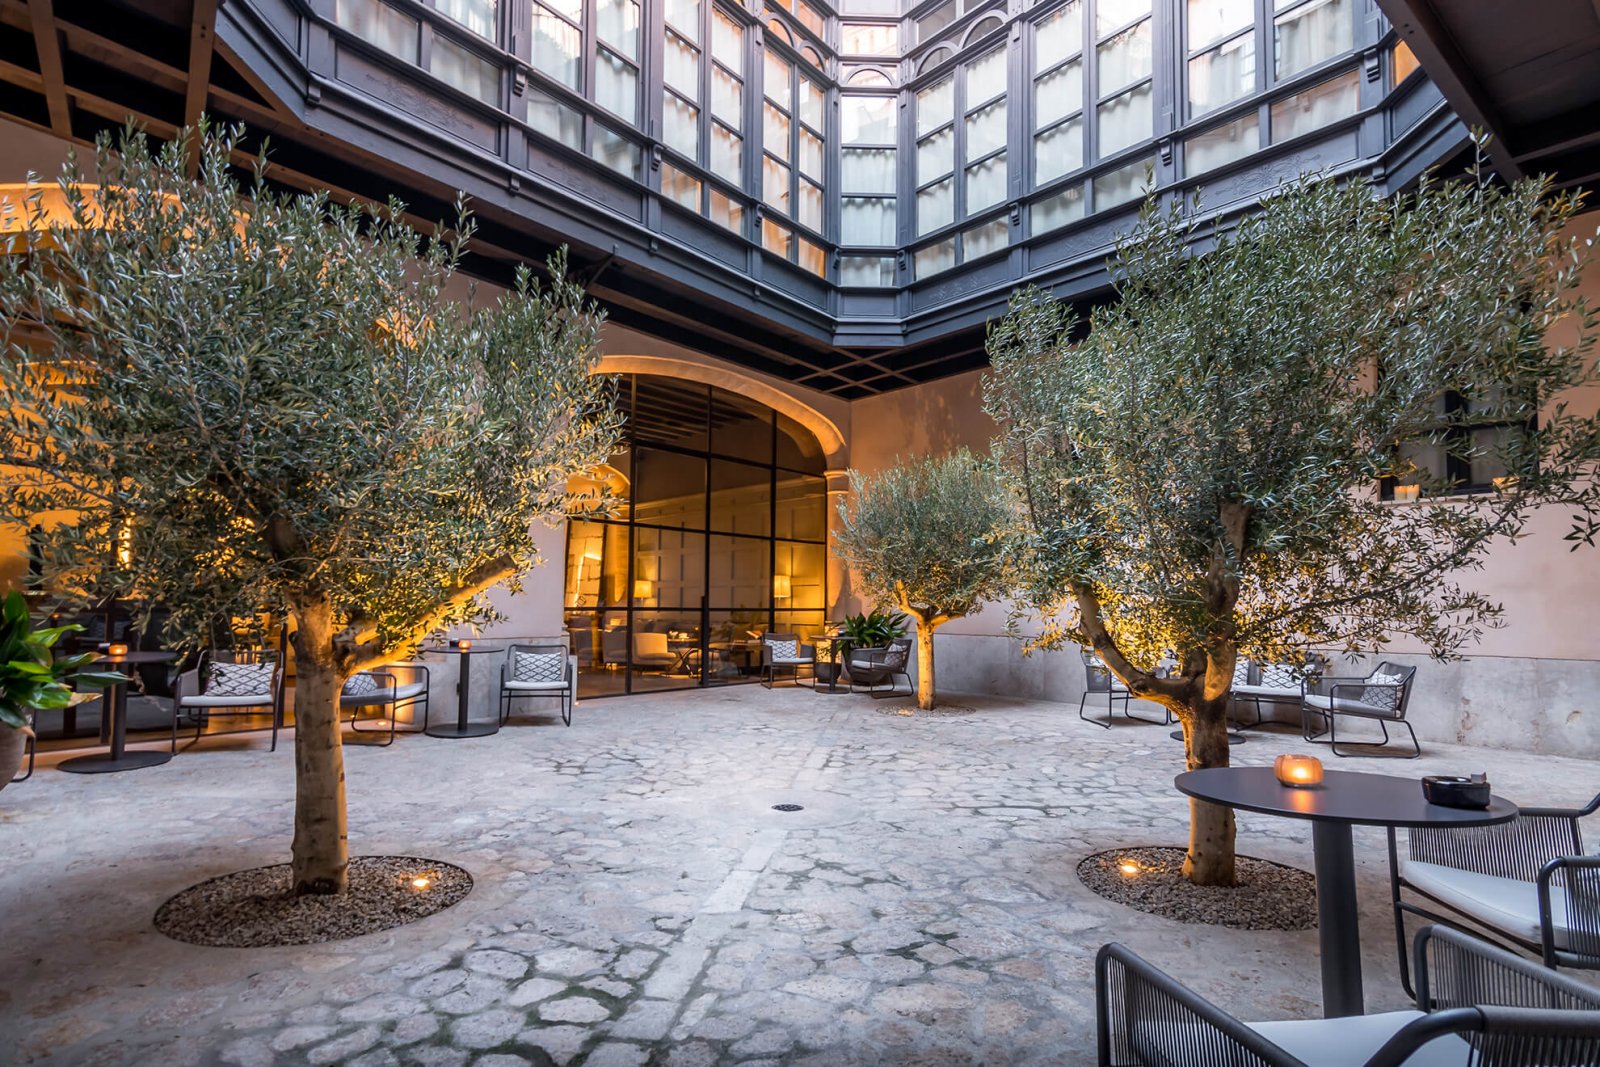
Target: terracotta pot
<point x="13" y="745"/>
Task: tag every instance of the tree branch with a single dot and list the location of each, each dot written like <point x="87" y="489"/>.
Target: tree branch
<point x="359" y="647"/>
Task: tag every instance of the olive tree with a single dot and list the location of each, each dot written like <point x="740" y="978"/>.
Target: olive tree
<point x="923" y="535"/>
<point x="260" y="402"/>
<point x="1201" y="470"/>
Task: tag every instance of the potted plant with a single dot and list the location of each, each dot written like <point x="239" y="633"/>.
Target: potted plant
<point x="31" y="679"/>
<point x="874" y="630"/>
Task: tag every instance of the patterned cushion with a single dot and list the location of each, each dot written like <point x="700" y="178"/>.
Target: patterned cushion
<point x="1241" y="671"/>
<point x="239" y="679"/>
<point x="1385" y="698"/>
<point x="782" y="650"/>
<point x="359" y="685"/>
<point x="1281" y="675"/>
<point x="538" y="667"/>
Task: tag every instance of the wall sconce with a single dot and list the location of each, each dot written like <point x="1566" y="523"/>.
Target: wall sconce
<point x="782" y="587"/>
<point x="643" y="589"/>
<point x="1407" y="494"/>
<point x="1298" y="771"/>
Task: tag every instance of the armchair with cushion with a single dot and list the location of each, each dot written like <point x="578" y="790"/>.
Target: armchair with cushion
<point x="388" y="689"/>
<point x="1381" y="697"/>
<point x="651" y="652"/>
<point x="1526" y="881"/>
<point x="1097" y="680"/>
<point x="1273" y="682"/>
<point x="1481" y="1005"/>
<point x="785" y="652"/>
<point x="231" y="682"/>
<point x="874" y="667"/>
<point x="543" y="670"/>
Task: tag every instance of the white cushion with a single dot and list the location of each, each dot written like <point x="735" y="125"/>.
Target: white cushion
<point x="1353" y="707"/>
<point x="244" y="700"/>
<point x="1281" y="675"/>
<point x="382" y="695"/>
<point x="1266" y="691"/>
<point x="794" y="662"/>
<point x="1382" y="695"/>
<point x="362" y="683"/>
<point x="1508" y="904"/>
<point x="1352" y="1040"/>
<point x="550" y="687"/>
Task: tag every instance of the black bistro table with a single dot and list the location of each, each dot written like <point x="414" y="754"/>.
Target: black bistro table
<point x="1344" y="799"/>
<point x="115" y="702"/>
<point x="834" y="643"/>
<point x="463" y="726"/>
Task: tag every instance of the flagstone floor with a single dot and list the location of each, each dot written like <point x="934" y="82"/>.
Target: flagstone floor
<point x="639" y="901"/>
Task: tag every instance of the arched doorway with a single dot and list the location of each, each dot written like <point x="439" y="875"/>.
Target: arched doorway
<point x="719" y="533"/>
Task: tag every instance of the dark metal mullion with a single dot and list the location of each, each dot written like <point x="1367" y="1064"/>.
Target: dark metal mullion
<point x="772" y="526"/>
<point x="705" y="551"/>
<point x="632" y="538"/>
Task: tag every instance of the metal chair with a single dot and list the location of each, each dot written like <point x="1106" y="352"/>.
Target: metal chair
<point x="1527" y="882"/>
<point x="196" y="695"/>
<point x="872" y="667"/>
<point x="383" y="688"/>
<point x="1097" y="679"/>
<point x="1381" y="701"/>
<point x="1480" y="1005"/>
<point x="544" y="670"/>
<point x="785" y="652"/>
<point x="1272" y="682"/>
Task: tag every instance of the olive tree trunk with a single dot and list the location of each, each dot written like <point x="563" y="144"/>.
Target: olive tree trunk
<point x="1210" y="860"/>
<point x="924" y="666"/>
<point x="321" y="848"/>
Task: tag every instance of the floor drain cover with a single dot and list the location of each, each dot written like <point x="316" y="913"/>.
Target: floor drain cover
<point x="788" y="807"/>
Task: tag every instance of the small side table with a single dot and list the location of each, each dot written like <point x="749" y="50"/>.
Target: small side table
<point x="115" y="700"/>
<point x="463" y="726"/>
<point x="834" y="643"/>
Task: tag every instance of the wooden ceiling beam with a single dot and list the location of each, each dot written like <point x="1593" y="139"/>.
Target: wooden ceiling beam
<point x="202" y="44"/>
<point x="47" y="42"/>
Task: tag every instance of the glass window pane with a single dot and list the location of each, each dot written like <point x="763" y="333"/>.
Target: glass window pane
<point x="810" y="256"/>
<point x="727" y="40"/>
<point x="776" y="132"/>
<point x="1058" y="151"/>
<point x="870" y="272"/>
<point x="870" y="40"/>
<point x="727" y="152"/>
<point x="986" y="77"/>
<point x="597" y="553"/>
<point x="740" y="427"/>
<point x="810" y="154"/>
<point x="617" y="22"/>
<point x="1222" y="75"/>
<point x="1317" y="106"/>
<point x="776" y="85"/>
<point x="727" y="96"/>
<point x="809" y="17"/>
<point x="1058" y="36"/>
<point x="867" y="170"/>
<point x="810" y="208"/>
<point x="1110" y="14"/>
<point x="684" y="15"/>
<point x="936" y="106"/>
<point x="741" y="493"/>
<point x="1058" y="94"/>
<point x="866" y="220"/>
<point x="810" y="103"/>
<point x="981" y="240"/>
<point x="929" y="25"/>
<point x="1058" y="210"/>
<point x="669" y="568"/>
<point x="1211" y="20"/>
<point x="775" y="184"/>
<point x="616" y="85"/>
<point x="379" y="24"/>
<point x="554" y="119"/>
<point x="741" y="578"/>
<point x="465" y="70"/>
<point x="669" y="411"/>
<point x="681" y="69"/>
<point x="725" y="211"/>
<point x="680" y="126"/>
<point x="798" y="449"/>
<point x="556" y="44"/>
<point x="475" y="15"/>
<point x="1124" y="59"/>
<point x="802" y="501"/>
<point x="806" y="567"/>
<point x="680" y="188"/>
<point x="1402" y="61"/>
<point x="1228" y="142"/>
<point x="616" y="152"/>
<point x="776" y="238"/>
<point x="986" y="183"/>
<point x="571" y="10"/>
<point x="1123" y="184"/>
<point x="868" y="119"/>
<point x="936" y="155"/>
<point x="670" y="489"/>
<point x="936" y="206"/>
<point x="1312" y="33"/>
<point x="1125" y="120"/>
<point x="986" y="130"/>
<point x="934" y="258"/>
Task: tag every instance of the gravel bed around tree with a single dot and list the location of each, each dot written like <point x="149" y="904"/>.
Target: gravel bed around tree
<point x="1269" y="896"/>
<point x="949" y="710"/>
<point x="255" y="908"/>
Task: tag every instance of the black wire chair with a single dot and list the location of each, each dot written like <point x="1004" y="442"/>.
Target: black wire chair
<point x="1097" y="680"/>
<point x="1481" y="1006"/>
<point x="563" y="688"/>
<point x="1525" y="882"/>
<point x="383" y="689"/>
<point x="1328" y="699"/>
<point x="876" y="667"/>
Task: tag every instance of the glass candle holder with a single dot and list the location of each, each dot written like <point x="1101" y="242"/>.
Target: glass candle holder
<point x="116" y="650"/>
<point x="1298" y="771"/>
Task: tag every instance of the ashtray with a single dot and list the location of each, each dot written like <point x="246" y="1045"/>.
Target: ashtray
<point x="1453" y="791"/>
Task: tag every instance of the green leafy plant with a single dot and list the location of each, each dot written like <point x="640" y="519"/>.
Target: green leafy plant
<point x="30" y="676"/>
<point x="873" y="630"/>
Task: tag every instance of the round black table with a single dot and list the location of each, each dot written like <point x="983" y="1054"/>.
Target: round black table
<point x="1344" y="799"/>
<point x="115" y="702"/>
<point x="463" y="727"/>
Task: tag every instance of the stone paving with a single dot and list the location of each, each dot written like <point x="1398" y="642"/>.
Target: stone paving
<point x="638" y="900"/>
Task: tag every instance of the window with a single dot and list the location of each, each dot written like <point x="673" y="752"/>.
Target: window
<point x="1123" y="113"/>
<point x="983" y="153"/>
<point x="1479" y="440"/>
<point x="874" y="39"/>
<point x="476" y="15"/>
<point x="868" y="219"/>
<point x="557" y="46"/>
<point x="1309" y="32"/>
<point x="1055" y="212"/>
<point x="867" y="272"/>
<point x="381" y="25"/>
<point x="1316" y="107"/>
<point x="1058" y="94"/>
<point x="680" y="75"/>
<point x="792" y="143"/>
<point x="1221" y="51"/>
<point x="616" y="152"/>
<point x="681" y="188"/>
<point x="555" y="119"/>
<point x="727" y="96"/>
<point x="1223" y="144"/>
<point x="981" y="240"/>
<point x="1123" y="184"/>
<point x="1402" y="62"/>
<point x="934" y="258"/>
<point x="472" y="74"/>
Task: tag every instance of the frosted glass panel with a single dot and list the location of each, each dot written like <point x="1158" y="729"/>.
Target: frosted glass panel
<point x="681" y="70"/>
<point x="1123" y="184"/>
<point x="776" y="125"/>
<point x="725" y="211"/>
<point x="556" y="46"/>
<point x="986" y="77"/>
<point x="810" y="207"/>
<point x="810" y="103"/>
<point x="934" y="258"/>
<point x="618" y="25"/>
<point x="380" y="24"/>
<point x="867" y="170"/>
<point x="775" y="184"/>
<point x="466" y="71"/>
<point x="685" y="17"/>
<point x="616" y="152"/>
<point x="1312" y="33"/>
<point x="776" y="85"/>
<point x="1058" y="36"/>
<point x="986" y="131"/>
<point x="1211" y="20"/>
<point x="682" y="189"/>
<point x="866" y="220"/>
<point x="680" y="126"/>
<point x="866" y="271"/>
<point x="554" y="119"/>
<point x="1125" y="120"/>
<point x="1222" y="75"/>
<point x="727" y="96"/>
<point x="1317" y="106"/>
<point x="936" y="206"/>
<point x="727" y="152"/>
<point x="1058" y="210"/>
<point x="936" y="105"/>
<point x="1058" y="151"/>
<point x="1109" y="14"/>
<point x="981" y="240"/>
<point x="936" y="156"/>
<point x="475" y="15"/>
<point x="1223" y="145"/>
<point x="986" y="184"/>
<point x="727" y="41"/>
<point x="616" y="85"/>
<point x="1124" y="59"/>
<point x="810" y="153"/>
<point x="868" y="119"/>
<point x="871" y="40"/>
<point x="1057" y="94"/>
